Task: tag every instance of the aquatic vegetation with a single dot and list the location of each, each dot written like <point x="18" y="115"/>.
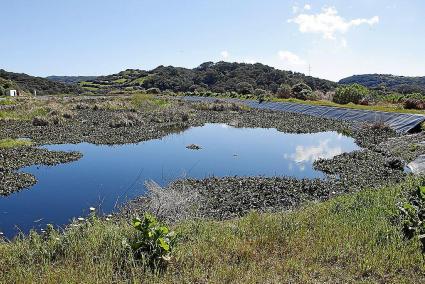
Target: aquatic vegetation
<point x="14" y="143"/>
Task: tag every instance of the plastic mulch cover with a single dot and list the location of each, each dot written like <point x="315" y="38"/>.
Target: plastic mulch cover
<point x="400" y="122"/>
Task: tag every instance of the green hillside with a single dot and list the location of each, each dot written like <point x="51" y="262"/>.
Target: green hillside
<point x="27" y="84"/>
<point x="216" y="77"/>
<point x="401" y="84"/>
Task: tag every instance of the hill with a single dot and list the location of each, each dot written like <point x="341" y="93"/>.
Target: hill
<point x="70" y="79"/>
<point x="399" y="84"/>
<point x="216" y="77"/>
<point x="28" y="84"/>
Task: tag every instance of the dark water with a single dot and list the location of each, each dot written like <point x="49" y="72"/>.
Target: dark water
<point x="110" y="175"/>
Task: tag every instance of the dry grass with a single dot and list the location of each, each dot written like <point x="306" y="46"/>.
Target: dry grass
<point x="170" y="204"/>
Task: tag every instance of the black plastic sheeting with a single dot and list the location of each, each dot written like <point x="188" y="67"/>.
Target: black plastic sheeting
<point x="400" y="122"/>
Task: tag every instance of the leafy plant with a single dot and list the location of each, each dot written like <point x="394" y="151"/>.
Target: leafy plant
<point x="284" y="91"/>
<point x="413" y="216"/>
<point x="153" y="243"/>
<point x="302" y="91"/>
<point x="350" y="94"/>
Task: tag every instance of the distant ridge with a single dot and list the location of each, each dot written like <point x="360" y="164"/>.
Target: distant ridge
<point x="209" y="76"/>
<point x="71" y="79"/>
<point x="28" y="84"/>
<point x="402" y="84"/>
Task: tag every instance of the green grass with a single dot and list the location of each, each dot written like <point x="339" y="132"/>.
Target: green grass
<point x="120" y="81"/>
<point x="90" y="86"/>
<point x="142" y="100"/>
<point x="139" y="81"/>
<point x="14" y="143"/>
<point x="6" y="101"/>
<point x="352" y="238"/>
<point x="22" y="114"/>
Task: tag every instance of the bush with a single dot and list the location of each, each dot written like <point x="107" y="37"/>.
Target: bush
<point x="413" y="104"/>
<point x="260" y="92"/>
<point x="350" y="94"/>
<point x="284" y="91"/>
<point x="244" y="88"/>
<point x="153" y="91"/>
<point x="301" y="91"/>
<point x="153" y="243"/>
<point x="40" y="121"/>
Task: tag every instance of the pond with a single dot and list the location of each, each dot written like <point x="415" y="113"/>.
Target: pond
<point x="107" y="176"/>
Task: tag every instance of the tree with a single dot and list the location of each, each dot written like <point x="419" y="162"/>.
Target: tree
<point x="301" y="91"/>
<point x="2" y="91"/>
<point x="350" y="94"/>
<point x="284" y="91"/>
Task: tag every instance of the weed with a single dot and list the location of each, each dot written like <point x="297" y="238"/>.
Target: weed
<point x="154" y="243"/>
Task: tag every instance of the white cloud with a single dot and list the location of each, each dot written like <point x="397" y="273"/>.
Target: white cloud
<point x="224" y="54"/>
<point x="307" y="7"/>
<point x="310" y="154"/>
<point x="344" y="43"/>
<point x="328" y="23"/>
<point x="295" y="9"/>
<point x="290" y="58"/>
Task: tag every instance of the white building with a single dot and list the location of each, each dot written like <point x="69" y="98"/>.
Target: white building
<point x="11" y="93"/>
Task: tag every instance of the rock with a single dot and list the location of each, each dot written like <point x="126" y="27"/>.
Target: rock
<point x="418" y="165"/>
<point x="193" y="147"/>
<point x="38" y="121"/>
<point x="394" y="163"/>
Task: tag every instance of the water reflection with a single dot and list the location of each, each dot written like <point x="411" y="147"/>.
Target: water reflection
<point x="107" y="176"/>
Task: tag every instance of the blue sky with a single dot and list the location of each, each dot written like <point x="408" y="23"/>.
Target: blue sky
<point x="93" y="37"/>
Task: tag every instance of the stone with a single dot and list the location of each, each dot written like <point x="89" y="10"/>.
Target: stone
<point x="418" y="165"/>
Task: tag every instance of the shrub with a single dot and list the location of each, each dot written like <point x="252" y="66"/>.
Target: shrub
<point x="40" y="121"/>
<point x="153" y="243"/>
<point x="260" y="92"/>
<point x="244" y="88"/>
<point x="153" y="91"/>
<point x="284" y="91"/>
<point x="122" y="120"/>
<point x="350" y="94"/>
<point x="301" y="91"/>
<point x="412" y="103"/>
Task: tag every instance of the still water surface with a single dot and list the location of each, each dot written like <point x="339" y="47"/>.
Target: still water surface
<point x="107" y="176"/>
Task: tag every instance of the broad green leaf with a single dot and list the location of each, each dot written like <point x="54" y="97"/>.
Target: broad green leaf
<point x="163" y="244"/>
